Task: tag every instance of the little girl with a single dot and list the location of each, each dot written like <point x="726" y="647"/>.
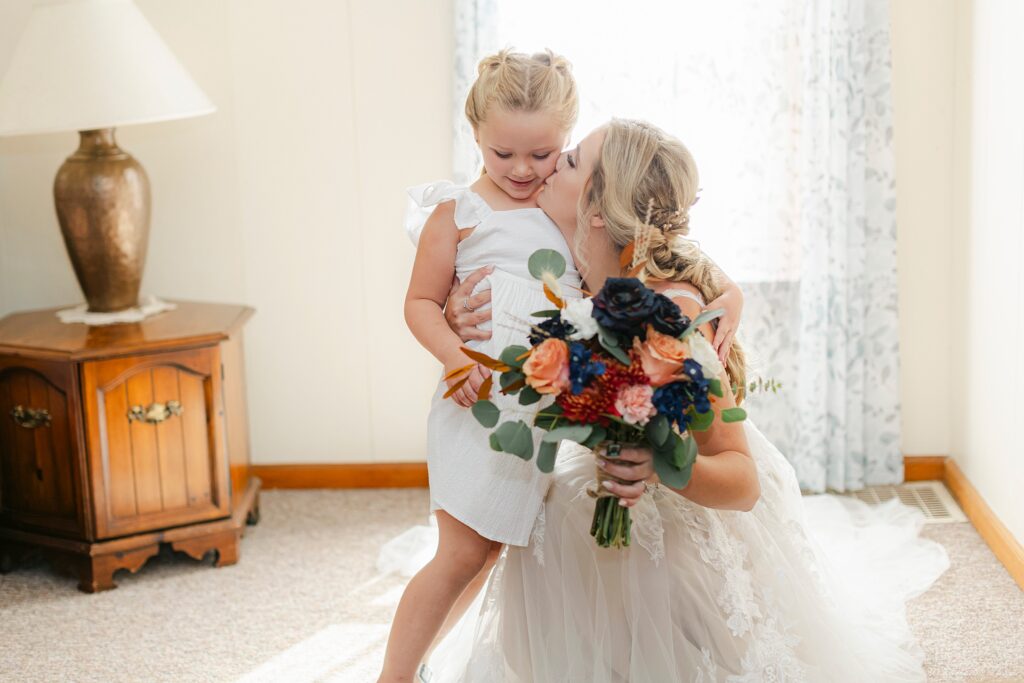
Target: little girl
<point x="522" y="109"/>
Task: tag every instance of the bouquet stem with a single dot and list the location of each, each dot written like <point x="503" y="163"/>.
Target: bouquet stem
<point x="611" y="525"/>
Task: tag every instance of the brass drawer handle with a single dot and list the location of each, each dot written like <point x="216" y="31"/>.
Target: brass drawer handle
<point x="30" y="418"/>
<point x="155" y="413"/>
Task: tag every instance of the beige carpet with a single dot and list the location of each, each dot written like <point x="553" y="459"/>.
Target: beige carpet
<point x="305" y="603"/>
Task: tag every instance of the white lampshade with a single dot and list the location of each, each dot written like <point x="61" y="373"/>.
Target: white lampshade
<point x="90" y="64"/>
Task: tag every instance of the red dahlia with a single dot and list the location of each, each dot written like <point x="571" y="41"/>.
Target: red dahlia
<point x="598" y="399"/>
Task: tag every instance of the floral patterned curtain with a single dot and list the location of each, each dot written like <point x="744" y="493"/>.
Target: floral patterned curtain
<point x="787" y="108"/>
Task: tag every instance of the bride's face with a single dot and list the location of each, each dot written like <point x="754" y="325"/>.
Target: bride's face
<point x="561" y="192"/>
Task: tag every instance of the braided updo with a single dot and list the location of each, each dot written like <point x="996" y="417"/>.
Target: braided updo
<point x="643" y="186"/>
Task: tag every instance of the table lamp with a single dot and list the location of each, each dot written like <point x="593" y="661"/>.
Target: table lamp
<point x="91" y="65"/>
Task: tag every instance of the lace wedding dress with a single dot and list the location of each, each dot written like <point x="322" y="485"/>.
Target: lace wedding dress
<point x="798" y="589"/>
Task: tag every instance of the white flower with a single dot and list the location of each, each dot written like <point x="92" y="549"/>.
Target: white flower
<point x="579" y="314"/>
<point x="702" y="352"/>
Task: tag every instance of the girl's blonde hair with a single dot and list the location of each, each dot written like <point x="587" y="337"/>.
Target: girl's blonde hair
<point x="642" y="186"/>
<point x="515" y="81"/>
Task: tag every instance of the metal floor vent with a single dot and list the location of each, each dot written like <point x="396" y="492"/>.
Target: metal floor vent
<point x="930" y="497"/>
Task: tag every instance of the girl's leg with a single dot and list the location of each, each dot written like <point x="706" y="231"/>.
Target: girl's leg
<point x="468" y="595"/>
<point x="461" y="553"/>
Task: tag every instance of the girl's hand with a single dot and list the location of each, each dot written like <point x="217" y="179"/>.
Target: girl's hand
<point x="467" y="393"/>
<point x="461" y="299"/>
<point x="731" y="301"/>
<point x="633" y="465"/>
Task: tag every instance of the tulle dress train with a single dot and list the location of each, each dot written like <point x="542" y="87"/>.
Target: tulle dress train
<point x="798" y="589"/>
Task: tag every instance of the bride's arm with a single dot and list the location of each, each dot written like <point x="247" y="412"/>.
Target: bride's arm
<point x="724" y="475"/>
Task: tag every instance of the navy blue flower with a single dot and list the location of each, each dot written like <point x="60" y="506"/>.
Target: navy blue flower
<point x="672" y="401"/>
<point x="667" y="318"/>
<point x="698" y="385"/>
<point x="554" y="328"/>
<point x="581" y="368"/>
<point x="624" y="306"/>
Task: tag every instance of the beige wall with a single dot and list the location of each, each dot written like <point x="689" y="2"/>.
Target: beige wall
<point x="988" y="165"/>
<point x="923" y="76"/>
<point x="289" y="198"/>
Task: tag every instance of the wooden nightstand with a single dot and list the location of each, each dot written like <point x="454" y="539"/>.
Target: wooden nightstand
<point x="116" y="439"/>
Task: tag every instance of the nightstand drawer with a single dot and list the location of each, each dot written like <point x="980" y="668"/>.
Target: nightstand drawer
<point x="156" y="440"/>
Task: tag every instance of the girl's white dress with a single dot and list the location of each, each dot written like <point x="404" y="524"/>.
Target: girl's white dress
<point x="798" y="589"/>
<point x="497" y="494"/>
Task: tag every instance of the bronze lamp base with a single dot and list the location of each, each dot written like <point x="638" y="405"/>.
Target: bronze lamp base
<point x="103" y="203"/>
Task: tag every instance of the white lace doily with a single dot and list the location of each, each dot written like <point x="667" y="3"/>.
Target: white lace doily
<point x="148" y="306"/>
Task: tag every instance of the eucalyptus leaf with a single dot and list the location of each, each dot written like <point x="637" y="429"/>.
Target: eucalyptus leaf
<point x="605" y="334"/>
<point x="577" y="433"/>
<point x="516" y="438"/>
<point x="715" y="387"/>
<point x="486" y="413"/>
<point x="705" y="317"/>
<point x="734" y="415"/>
<point x="549" y="416"/>
<point x="597" y="436"/>
<point x="611" y="344"/>
<point x="657" y="430"/>
<point x="546" y="456"/>
<point x="511" y="377"/>
<point x="528" y="396"/>
<point x="701" y="422"/>
<point x="670" y="475"/>
<point x="495" y="444"/>
<point x="685" y="453"/>
<point x="546" y="261"/>
<point x="510" y="354"/>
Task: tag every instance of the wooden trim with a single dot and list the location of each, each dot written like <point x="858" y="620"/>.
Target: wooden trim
<point x="924" y="467"/>
<point x="1002" y="543"/>
<point x="344" y="476"/>
<point x="414" y="474"/>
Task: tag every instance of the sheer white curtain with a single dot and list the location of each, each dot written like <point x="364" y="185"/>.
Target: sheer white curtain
<point x="786" y="106"/>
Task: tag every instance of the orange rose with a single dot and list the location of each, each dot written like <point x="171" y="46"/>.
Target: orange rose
<point x="547" y="368"/>
<point x="661" y="356"/>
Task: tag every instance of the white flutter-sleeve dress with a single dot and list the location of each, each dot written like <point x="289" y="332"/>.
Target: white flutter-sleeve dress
<point x="496" y="494"/>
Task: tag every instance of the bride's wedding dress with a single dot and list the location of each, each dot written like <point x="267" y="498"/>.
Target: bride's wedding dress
<point x="798" y="589"/>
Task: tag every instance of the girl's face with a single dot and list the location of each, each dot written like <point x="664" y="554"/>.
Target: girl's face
<point x="520" y="149"/>
<point x="561" y="193"/>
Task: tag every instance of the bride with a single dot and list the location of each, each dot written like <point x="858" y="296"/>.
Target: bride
<point x="728" y="578"/>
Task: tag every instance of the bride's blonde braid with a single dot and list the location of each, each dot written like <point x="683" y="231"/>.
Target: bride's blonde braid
<point x="643" y="186"/>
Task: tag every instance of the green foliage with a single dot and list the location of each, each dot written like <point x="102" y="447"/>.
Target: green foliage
<point x="610" y="343"/>
<point x="548" y="417"/>
<point x="734" y="415"/>
<point x="577" y="433"/>
<point x="516" y="438"/>
<point x="658" y="430"/>
<point x="705" y="317"/>
<point x="546" y="261"/>
<point x="546" y="456"/>
<point x="486" y="413"/>
<point x="510" y="354"/>
<point x="528" y="396"/>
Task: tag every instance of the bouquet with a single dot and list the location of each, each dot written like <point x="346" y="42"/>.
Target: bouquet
<point x="623" y="368"/>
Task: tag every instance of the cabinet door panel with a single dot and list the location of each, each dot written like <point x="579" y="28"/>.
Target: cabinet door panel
<point x="119" y="473"/>
<point x="39" y="465"/>
<point x="170" y="437"/>
<point x="198" y="442"/>
<point x="142" y="445"/>
<point x="158" y="441"/>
